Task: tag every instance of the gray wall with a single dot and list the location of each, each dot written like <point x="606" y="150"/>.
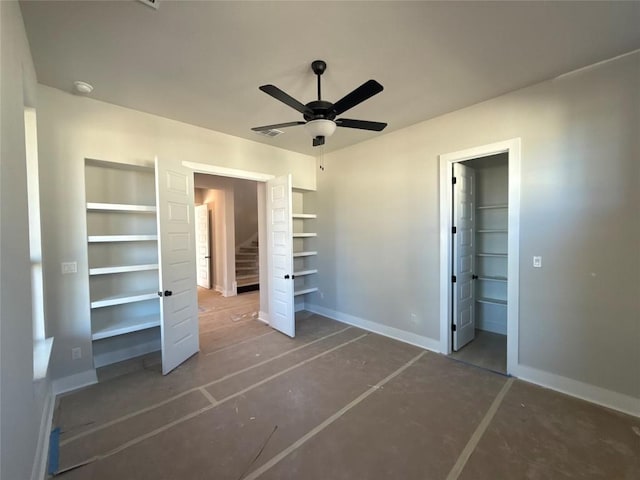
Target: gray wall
<point x="72" y="128"/>
<point x="580" y="197"/>
<point x="22" y="400"/>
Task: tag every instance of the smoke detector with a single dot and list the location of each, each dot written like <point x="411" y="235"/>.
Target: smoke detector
<point x="83" y="88"/>
<point x="151" y="3"/>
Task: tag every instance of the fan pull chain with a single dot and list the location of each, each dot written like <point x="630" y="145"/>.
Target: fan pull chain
<point x="321" y="158"/>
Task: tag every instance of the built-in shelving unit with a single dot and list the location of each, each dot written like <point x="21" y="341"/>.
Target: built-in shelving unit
<point x="123" y="260"/>
<point x="304" y="252"/>
<point x="491" y="251"/>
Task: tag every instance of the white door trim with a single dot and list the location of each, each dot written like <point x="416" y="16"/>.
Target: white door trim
<point x="227" y="172"/>
<point x="512" y="148"/>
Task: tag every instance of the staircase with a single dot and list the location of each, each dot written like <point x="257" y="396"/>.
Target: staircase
<point x="247" y="267"/>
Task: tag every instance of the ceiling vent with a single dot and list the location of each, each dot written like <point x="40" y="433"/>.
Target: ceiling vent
<point x="151" y="3"/>
<point x="270" y="133"/>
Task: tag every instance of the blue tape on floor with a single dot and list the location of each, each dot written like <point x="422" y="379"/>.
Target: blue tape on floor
<point x="54" y="451"/>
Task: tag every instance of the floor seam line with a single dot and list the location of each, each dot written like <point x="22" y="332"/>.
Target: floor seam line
<point x="208" y="396"/>
<point x="318" y="428"/>
<point x="189" y="416"/>
<point x="238" y="343"/>
<point x="193" y="389"/>
<point x="475" y="438"/>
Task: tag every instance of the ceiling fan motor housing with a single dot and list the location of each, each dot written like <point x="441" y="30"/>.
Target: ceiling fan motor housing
<point x="321" y="110"/>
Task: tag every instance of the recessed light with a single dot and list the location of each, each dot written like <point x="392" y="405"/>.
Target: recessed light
<point x="82" y="88"/>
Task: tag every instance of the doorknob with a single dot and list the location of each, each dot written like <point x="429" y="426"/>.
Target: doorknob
<point x="207" y="256"/>
<point x="167" y="293"/>
<point x="286" y="277"/>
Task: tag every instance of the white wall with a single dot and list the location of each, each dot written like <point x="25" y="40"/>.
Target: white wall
<point x="71" y="128"/>
<point x="579" y="314"/>
<point x="22" y="402"/>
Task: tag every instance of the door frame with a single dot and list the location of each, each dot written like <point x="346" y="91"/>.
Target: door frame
<point x="261" y="179"/>
<point x="513" y="149"/>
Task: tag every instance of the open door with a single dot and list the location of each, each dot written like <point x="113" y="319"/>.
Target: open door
<point x="177" y="260"/>
<point x="280" y="254"/>
<point x="464" y="192"/>
<point x="203" y="255"/>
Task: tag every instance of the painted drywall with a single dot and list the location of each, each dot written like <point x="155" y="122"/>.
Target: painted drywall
<point x="72" y="128"/>
<point x="378" y="229"/>
<point x="23" y="401"/>
<point x="245" y="211"/>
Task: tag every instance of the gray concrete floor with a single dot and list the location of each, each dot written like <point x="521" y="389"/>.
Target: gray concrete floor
<point x="487" y="350"/>
<point x="336" y="402"/>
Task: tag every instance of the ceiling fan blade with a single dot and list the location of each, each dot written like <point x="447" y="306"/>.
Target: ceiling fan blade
<point x="367" y="90"/>
<point x="285" y="98"/>
<point x="277" y="125"/>
<point x="317" y="141"/>
<point x="361" y="124"/>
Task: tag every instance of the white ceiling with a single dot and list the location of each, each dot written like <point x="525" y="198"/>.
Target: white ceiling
<point x="202" y="62"/>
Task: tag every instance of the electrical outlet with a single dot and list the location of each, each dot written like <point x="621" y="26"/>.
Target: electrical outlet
<point x="69" y="267"/>
<point x="76" y="353"/>
<point x="537" y="262"/>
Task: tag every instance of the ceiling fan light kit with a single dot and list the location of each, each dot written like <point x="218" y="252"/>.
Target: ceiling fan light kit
<point x="320" y="115"/>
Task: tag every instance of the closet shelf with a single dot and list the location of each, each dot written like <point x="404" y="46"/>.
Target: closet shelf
<point x="305" y="272"/>
<point x="493" y="230"/>
<point x="122" y="299"/>
<point x="127" y="325"/>
<point x="304" y="215"/>
<point x="304" y="235"/>
<point x="503" y="255"/>
<point x="492" y="207"/>
<point x="492" y="278"/>
<point x="305" y="291"/>
<point x="122" y="269"/>
<point x="121" y="238"/>
<point x="121" y="207"/>
<point x="304" y="254"/>
<point x="492" y="301"/>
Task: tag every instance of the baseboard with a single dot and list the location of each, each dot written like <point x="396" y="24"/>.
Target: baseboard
<point x="42" y="450"/>
<point x="73" y="382"/>
<point x="384" y="330"/>
<point x="493" y="327"/>
<point x="584" y="391"/>
<point x="298" y="307"/>
<point x="219" y="289"/>
<point x="263" y="317"/>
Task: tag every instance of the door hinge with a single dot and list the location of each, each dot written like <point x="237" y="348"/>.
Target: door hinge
<point x="454" y="180"/>
<point x="453" y="279"/>
<point x="453" y="327"/>
<point x="454" y="230"/>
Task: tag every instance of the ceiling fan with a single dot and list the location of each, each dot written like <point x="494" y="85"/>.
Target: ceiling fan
<point x="320" y="115"/>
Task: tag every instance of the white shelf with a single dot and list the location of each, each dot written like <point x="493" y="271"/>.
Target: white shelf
<point x="127" y="325"/>
<point x="122" y="269"/>
<point x="305" y="291"/>
<point x="304" y="215"/>
<point x="304" y="254"/>
<point x="492" y="278"/>
<point x="121" y="207"/>
<point x="304" y="235"/>
<point x="119" y="166"/>
<point x="493" y="230"/>
<point x="121" y="238"/>
<point x="492" y="301"/>
<point x="122" y="299"/>
<point x="492" y="207"/>
<point x="305" y="272"/>
<point x="503" y="255"/>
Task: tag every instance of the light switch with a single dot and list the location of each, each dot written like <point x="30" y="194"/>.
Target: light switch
<point x="537" y="262"/>
<point x="69" y="267"/>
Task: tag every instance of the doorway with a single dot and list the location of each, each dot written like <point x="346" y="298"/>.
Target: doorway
<point x="479" y="225"/>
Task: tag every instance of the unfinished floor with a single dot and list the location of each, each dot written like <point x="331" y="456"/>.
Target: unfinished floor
<point x="487" y="350"/>
<point x="336" y="402"/>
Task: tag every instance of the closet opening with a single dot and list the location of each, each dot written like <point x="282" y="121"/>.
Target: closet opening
<point x="479" y="266"/>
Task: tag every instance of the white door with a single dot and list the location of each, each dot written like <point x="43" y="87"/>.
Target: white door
<point x="280" y="254"/>
<point x="464" y="216"/>
<point x="203" y="256"/>
<point x="177" y="259"/>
